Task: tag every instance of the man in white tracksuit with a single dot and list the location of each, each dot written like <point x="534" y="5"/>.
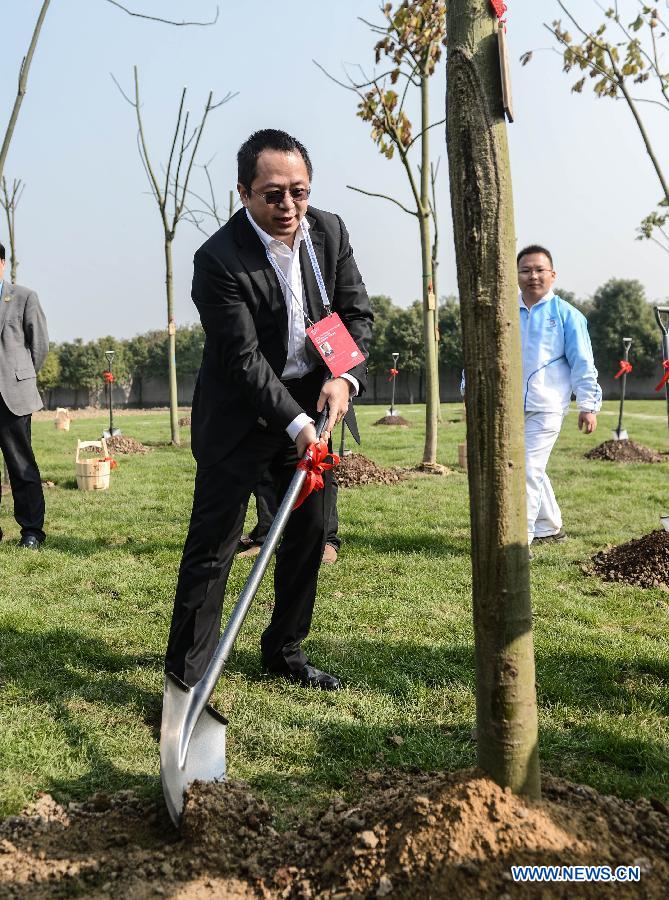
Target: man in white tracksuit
<point x="557" y="362"/>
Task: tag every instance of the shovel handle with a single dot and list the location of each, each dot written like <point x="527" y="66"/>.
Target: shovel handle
<point x="208" y="681"/>
<point x="659" y="310"/>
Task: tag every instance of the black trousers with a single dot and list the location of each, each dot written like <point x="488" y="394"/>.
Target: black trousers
<point x="24" y="476"/>
<point x="267" y="505"/>
<point x="221" y="496"/>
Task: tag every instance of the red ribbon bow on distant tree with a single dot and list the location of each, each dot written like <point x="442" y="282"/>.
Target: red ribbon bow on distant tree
<point x="500" y="8"/>
<point x="393" y="373"/>
<point x="625" y="368"/>
<point x="314" y="464"/>
<point x="108" y="377"/>
<point x="665" y="377"/>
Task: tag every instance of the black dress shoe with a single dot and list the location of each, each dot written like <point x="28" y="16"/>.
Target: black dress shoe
<point x="310" y="676"/>
<point x="30" y="542"/>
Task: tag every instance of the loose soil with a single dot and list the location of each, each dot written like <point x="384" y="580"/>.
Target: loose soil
<point x="393" y="420"/>
<point x="643" y="561"/>
<point x="624" y="451"/>
<point x="121" y="444"/>
<point x="355" y="469"/>
<point x="434" y="835"/>
<point x="184" y="422"/>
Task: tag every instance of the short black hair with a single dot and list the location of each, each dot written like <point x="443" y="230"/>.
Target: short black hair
<point x="267" y="139"/>
<point x="2" y="252"/>
<point x="534" y="248"/>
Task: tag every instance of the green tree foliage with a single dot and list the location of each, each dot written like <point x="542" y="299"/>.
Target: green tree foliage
<point x="620" y="309"/>
<point x="405" y="336"/>
<point x="49" y="376"/>
<point x="80" y="364"/>
<point x="380" y="358"/>
<point x="450" y="334"/>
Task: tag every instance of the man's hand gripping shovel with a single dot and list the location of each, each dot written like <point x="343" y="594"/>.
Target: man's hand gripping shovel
<point x="192" y="733"/>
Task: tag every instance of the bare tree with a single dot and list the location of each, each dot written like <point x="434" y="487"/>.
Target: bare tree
<point x="28" y="58"/>
<point x="412" y="41"/>
<point x="207" y="210"/>
<point x="483" y="225"/>
<point x="170" y="195"/>
<point x="9" y="200"/>
<point x="623" y="60"/>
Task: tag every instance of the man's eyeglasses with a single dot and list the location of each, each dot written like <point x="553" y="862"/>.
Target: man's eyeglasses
<point x="273" y="198"/>
<point x="533" y="271"/>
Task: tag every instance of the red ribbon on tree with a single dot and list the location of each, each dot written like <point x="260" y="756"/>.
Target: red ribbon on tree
<point x="500" y="8"/>
<point x="314" y="464"/>
<point x="393" y="373"/>
<point x="625" y="368"/>
<point x="108" y="377"/>
<point x="665" y="377"/>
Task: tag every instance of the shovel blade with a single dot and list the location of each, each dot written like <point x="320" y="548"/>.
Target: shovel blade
<point x="205" y="750"/>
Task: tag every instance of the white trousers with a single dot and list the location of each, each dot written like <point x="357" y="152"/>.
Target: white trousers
<point x="542" y="430"/>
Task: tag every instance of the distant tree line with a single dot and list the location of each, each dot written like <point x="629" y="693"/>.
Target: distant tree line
<point x="617" y="309"/>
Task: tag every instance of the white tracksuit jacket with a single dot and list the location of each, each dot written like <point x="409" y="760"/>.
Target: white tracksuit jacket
<point x="557" y="357"/>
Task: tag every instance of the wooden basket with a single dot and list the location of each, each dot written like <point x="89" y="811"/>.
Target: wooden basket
<point x="92" y="474"/>
<point x="62" y="421"/>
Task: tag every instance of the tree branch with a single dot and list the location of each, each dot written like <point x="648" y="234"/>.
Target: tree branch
<point x="411" y="212"/>
<point x="137" y="15"/>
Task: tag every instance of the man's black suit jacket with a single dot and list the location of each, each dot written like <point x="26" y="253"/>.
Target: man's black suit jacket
<point x="243" y="313"/>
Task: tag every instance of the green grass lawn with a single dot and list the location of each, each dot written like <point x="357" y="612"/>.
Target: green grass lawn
<point x="83" y="625"/>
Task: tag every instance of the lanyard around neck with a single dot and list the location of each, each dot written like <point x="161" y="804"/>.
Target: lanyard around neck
<point x="317" y="272"/>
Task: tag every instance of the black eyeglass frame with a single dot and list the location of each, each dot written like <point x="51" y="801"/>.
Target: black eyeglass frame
<point x="278" y="195"/>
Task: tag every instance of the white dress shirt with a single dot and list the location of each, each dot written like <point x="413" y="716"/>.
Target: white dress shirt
<point x="298" y="364"/>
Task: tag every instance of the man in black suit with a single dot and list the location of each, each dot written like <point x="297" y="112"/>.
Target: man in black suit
<point x="260" y="387"/>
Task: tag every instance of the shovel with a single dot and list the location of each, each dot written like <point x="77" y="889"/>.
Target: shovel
<point x="192" y="732"/>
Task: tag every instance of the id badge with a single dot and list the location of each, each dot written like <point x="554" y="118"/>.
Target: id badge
<point x="338" y="350"/>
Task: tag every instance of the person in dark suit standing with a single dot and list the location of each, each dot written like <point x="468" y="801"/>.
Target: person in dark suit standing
<point x="258" y="393"/>
<point x="24" y="344"/>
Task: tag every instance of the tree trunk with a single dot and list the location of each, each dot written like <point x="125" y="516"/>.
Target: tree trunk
<point x="429" y="300"/>
<point x="483" y="223"/>
<point x="23" y="86"/>
<point x="171" y="344"/>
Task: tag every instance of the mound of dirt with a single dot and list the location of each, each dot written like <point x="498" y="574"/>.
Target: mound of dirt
<point x="438" y="835"/>
<point x="643" y="561"/>
<point x="393" y="420"/>
<point x="624" y="451"/>
<point x="355" y="469"/>
<point x="184" y="422"/>
<point x="121" y="444"/>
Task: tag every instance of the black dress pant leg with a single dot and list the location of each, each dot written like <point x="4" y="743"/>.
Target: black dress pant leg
<point x="24" y="475"/>
<point x="267" y="505"/>
<point x="298" y="558"/>
<point x="220" y="499"/>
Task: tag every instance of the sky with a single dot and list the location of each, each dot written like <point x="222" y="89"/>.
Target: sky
<point x="89" y="235"/>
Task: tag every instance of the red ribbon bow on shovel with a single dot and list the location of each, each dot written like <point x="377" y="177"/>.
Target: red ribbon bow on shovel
<point x="314" y="465"/>
<point x="393" y="373"/>
<point x="665" y="377"/>
<point x="108" y="377"/>
<point x="625" y="368"/>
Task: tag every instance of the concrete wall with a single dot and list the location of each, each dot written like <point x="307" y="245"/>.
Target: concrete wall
<point x="149" y="392"/>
